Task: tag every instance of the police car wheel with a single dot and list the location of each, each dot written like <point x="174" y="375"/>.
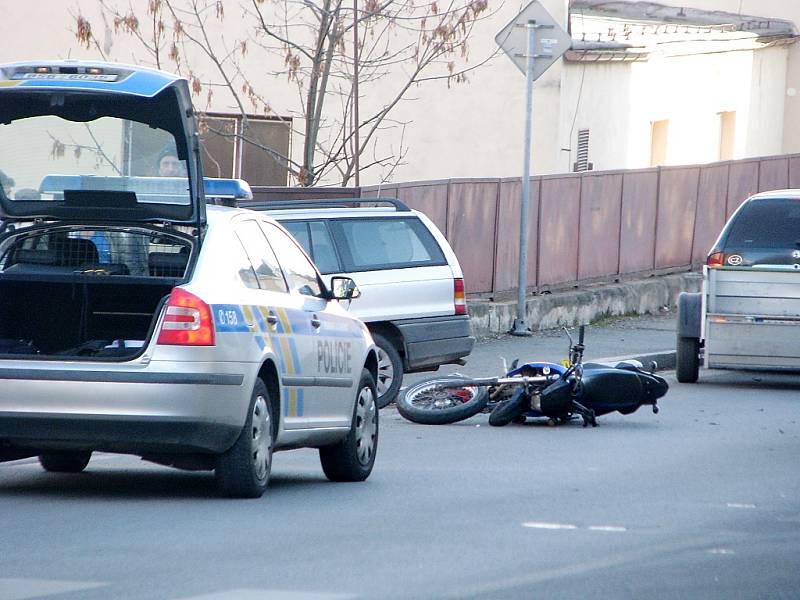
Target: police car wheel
<point x="243" y="471"/>
<point x="352" y="458"/>
<point x="390" y="370"/>
<point x="65" y="462"/>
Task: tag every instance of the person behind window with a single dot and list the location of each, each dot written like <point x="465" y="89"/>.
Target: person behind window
<point x="168" y="163"/>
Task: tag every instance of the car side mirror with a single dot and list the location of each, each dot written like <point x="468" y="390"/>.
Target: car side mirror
<point x="344" y="288"/>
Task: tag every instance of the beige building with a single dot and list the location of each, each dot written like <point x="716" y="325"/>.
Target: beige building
<point x="644" y="84"/>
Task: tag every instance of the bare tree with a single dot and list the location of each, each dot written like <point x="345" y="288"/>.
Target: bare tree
<point x="308" y="44"/>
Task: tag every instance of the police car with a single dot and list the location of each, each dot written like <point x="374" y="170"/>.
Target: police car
<point x="135" y="319"/>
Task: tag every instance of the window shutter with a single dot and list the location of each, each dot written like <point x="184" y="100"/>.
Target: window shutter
<point x="583" y="164"/>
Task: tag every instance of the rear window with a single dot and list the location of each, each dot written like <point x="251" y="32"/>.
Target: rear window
<point x="767" y="223"/>
<point x="381" y="243"/>
<point x="95" y="251"/>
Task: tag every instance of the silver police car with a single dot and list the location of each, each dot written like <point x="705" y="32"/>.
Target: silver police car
<point x="135" y="319"/>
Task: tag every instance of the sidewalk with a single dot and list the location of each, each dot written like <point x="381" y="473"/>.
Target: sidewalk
<point x="586" y="304"/>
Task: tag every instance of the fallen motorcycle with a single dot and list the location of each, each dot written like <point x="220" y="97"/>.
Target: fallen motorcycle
<point x="558" y="392"/>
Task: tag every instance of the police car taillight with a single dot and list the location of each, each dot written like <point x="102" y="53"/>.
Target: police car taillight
<point x="459" y="297"/>
<point x="187" y="321"/>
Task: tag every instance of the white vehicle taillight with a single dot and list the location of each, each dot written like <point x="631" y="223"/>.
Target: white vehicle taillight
<point x="459" y="297"/>
<point x="716" y="260"/>
<point x="187" y="321"/>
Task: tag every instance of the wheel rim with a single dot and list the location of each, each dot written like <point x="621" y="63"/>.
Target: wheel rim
<point x="366" y="425"/>
<point x="385" y="372"/>
<point x="261" y="443"/>
<point x="442" y="398"/>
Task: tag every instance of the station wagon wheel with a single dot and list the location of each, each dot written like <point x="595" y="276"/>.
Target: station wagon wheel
<point x="243" y="471"/>
<point x="390" y="370"/>
<point x="352" y="458"/>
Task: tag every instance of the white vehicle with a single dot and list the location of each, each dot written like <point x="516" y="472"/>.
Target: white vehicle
<point x="748" y="314"/>
<point x="412" y="288"/>
<point x="132" y="320"/>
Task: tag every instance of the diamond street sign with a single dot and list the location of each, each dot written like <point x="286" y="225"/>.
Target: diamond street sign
<point x="550" y="43"/>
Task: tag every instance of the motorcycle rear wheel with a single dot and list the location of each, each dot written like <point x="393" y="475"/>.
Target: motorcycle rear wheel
<point x="432" y="402"/>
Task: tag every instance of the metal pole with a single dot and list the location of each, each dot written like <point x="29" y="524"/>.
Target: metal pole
<point x="357" y="149"/>
<point x="520" y="325"/>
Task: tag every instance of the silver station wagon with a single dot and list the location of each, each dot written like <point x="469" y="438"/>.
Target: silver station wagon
<point x="134" y="320"/>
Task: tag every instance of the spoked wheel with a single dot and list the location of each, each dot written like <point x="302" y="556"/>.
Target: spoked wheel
<point x="438" y="402"/>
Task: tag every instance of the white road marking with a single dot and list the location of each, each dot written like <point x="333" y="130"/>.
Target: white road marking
<point x="569" y="526"/>
<point x="606" y="528"/>
<point x="720" y="551"/>
<point x="738" y="505"/>
<point x="253" y="594"/>
<point x="549" y="525"/>
<point x="22" y="589"/>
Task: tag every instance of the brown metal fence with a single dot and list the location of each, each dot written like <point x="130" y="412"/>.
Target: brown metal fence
<point x="591" y="226"/>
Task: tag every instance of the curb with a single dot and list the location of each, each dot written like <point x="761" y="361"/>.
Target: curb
<point x="584" y="305"/>
<point x="664" y="359"/>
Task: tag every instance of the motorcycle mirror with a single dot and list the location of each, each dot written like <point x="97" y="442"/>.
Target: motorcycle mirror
<point x="514" y="364"/>
<point x="581" y="331"/>
<point x="653" y="367"/>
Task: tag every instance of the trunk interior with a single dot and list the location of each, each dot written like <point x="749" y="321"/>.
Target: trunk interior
<point x="85" y="292"/>
<point x="106" y="320"/>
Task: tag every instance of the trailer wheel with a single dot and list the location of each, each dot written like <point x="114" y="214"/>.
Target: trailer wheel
<point x="687" y="359"/>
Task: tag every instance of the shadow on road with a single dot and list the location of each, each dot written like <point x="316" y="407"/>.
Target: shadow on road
<point x="127" y="484"/>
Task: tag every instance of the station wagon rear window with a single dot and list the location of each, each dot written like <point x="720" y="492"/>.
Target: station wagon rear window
<point x="766" y="223"/>
<point x="366" y="244"/>
<point x="396" y="243"/>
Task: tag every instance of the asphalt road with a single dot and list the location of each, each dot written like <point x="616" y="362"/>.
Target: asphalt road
<point x="699" y="501"/>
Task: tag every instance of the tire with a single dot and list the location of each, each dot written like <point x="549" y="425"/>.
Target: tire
<point x="433" y="403"/>
<point x="352" y="458"/>
<point x="65" y="462"/>
<point x="243" y="470"/>
<point x="507" y="410"/>
<point x="390" y="371"/>
<point x="687" y="359"/>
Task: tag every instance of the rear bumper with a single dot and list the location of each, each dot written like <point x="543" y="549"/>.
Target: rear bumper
<point x="190" y="408"/>
<point x="134" y="435"/>
<point x="434" y="341"/>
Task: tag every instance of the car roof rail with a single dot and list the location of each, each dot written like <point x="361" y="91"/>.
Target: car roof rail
<point x="399" y="206"/>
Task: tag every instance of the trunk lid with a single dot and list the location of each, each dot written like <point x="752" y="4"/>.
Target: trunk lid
<point x="97" y="142"/>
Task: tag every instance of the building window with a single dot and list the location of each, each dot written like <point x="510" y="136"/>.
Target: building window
<point x="228" y="151"/>
<point x="727" y="134"/>
<point x="583" y="164"/>
<point x="659" y="132"/>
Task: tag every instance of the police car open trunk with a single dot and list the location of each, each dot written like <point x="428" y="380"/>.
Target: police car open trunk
<point x="91" y="292"/>
<point x="101" y="205"/>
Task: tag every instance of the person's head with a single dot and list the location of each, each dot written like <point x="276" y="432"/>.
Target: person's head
<point x="169" y="165"/>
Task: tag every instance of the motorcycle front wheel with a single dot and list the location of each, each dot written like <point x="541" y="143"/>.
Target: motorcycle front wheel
<point x="433" y="402"/>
